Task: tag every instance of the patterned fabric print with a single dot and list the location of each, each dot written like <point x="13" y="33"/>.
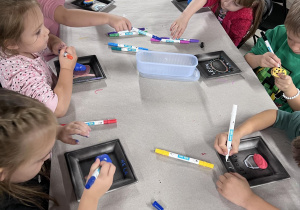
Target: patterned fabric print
<point x="31" y="77"/>
<point x="221" y="15"/>
<point x="267" y="80"/>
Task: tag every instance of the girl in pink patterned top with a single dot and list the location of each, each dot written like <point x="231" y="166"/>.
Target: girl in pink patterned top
<point x="23" y="37"/>
<point x="239" y="18"/>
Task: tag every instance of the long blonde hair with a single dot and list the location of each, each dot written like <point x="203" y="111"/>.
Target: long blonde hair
<point x="21" y="119"/>
<point x="12" y="22"/>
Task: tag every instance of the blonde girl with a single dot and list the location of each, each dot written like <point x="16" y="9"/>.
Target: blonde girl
<point x="23" y="69"/>
<point x="28" y="131"/>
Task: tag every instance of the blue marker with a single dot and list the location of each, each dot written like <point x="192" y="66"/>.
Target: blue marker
<point x="96" y="173"/>
<point x="145" y="33"/>
<point x="125" y="45"/>
<point x="157" y="205"/>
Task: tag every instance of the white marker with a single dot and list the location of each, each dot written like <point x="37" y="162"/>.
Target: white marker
<point x="231" y="128"/>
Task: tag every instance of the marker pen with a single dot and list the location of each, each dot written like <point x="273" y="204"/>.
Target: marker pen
<point x="113" y="32"/>
<point x="125" y="49"/>
<point x="231" y="128"/>
<point x="123" y="34"/>
<point x="184" y="158"/>
<point x="145" y="33"/>
<point x="171" y="41"/>
<point x="99" y="122"/>
<point x="125" y="45"/>
<point x="267" y="43"/>
<point x="190" y="40"/>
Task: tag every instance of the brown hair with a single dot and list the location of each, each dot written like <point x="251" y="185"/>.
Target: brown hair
<point x="258" y="8"/>
<point x="23" y="121"/>
<point x="12" y="22"/>
<point x="296" y="149"/>
<point x="292" y="21"/>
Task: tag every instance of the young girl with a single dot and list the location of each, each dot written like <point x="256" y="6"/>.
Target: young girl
<point x="55" y="13"/>
<point x="22" y="37"/>
<point x="239" y="18"/>
<point x="233" y="186"/>
<point x="28" y="131"/>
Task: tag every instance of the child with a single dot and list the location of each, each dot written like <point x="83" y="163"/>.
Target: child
<point x="28" y="131"/>
<point x="55" y="13"/>
<point x="22" y="37"/>
<point x="243" y="196"/>
<point x="239" y="18"/>
<point x="285" y="42"/>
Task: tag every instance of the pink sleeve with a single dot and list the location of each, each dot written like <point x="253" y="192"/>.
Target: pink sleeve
<point x="48" y="7"/>
<point x="28" y="81"/>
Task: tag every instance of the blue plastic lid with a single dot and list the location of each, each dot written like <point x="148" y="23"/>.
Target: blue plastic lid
<point x="104" y="157"/>
<point x="79" y="67"/>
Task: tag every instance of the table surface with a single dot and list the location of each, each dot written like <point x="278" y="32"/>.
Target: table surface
<point x="182" y="117"/>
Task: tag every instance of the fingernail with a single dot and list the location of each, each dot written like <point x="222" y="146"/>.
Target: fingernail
<point x="77" y="141"/>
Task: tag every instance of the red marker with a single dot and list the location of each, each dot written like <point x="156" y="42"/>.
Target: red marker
<point x="100" y="122"/>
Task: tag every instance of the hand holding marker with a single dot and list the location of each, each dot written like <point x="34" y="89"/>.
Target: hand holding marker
<point x="231" y="128"/>
<point x="96" y="173"/>
<point x="267" y="43"/>
<point x="145" y="33"/>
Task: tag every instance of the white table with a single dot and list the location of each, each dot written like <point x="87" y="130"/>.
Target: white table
<point x="183" y="117"/>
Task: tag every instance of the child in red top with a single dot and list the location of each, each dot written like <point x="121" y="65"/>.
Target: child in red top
<point x="239" y="18"/>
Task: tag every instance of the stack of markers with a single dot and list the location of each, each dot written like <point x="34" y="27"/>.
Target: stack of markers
<point x="125" y="47"/>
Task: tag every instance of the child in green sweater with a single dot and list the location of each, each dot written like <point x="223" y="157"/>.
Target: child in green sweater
<point x="285" y="42"/>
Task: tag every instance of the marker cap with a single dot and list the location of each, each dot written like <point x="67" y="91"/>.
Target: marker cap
<point x="110" y="121"/>
<point x="194" y="40"/>
<point x="157" y="205"/>
<point x="162" y="152"/>
<point x="104" y="157"/>
<point x="184" y="42"/>
<point x="154" y="40"/>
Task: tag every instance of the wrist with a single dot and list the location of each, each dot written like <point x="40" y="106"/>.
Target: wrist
<point x="250" y="201"/>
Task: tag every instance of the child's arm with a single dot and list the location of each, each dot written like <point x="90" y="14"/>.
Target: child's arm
<point x="266" y="60"/>
<point x="90" y="197"/>
<point x="55" y="44"/>
<point x="82" y="18"/>
<point x="236" y="189"/>
<point x="178" y="26"/>
<point x="285" y="84"/>
<point x="258" y="122"/>
<point x="64" y="133"/>
<point x="63" y="88"/>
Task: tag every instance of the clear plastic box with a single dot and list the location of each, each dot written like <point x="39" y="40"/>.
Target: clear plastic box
<point x="166" y="64"/>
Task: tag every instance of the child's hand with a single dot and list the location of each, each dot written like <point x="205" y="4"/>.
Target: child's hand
<point x="65" y="132"/>
<point x="235" y="188"/>
<point x="65" y="62"/>
<point x="104" y="180"/>
<point x="269" y="60"/>
<point x="119" y="23"/>
<point x="57" y="46"/>
<point x="221" y="140"/>
<point x="285" y="84"/>
<point x="178" y="27"/>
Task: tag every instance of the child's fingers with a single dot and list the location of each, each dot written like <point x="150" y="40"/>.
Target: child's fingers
<point x="94" y="166"/>
<point x="128" y="24"/>
<point x="235" y="148"/>
<point x="83" y="126"/>
<point x="104" y="168"/>
<point x="238" y="176"/>
<point x="112" y="170"/>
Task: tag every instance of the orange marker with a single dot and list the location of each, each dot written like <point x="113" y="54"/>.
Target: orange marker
<point x="68" y="56"/>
